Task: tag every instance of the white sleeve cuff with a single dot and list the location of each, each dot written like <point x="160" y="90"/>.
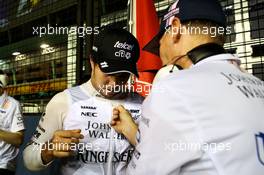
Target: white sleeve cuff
<point x="32" y="158"/>
<point x="39" y="159"/>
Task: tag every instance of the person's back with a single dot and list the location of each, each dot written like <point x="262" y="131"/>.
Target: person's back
<point x="206" y="119"/>
<point x="220" y="123"/>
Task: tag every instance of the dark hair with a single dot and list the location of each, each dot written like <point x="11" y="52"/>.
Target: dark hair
<point x="92" y="57"/>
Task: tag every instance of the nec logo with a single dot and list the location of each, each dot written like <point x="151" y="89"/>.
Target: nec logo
<point x="89" y="114"/>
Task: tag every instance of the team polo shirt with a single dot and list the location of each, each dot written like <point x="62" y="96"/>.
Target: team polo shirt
<point x="102" y="151"/>
<point x="11" y="120"/>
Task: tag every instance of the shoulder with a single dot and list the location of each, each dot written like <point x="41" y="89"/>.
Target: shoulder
<point x="13" y="101"/>
<point x="57" y="107"/>
<point x="173" y="83"/>
<point x="195" y="78"/>
<point x="175" y="88"/>
<point x="60" y="99"/>
<point x="78" y="93"/>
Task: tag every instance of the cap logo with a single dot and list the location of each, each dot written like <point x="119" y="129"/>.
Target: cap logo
<point x="173" y="10"/>
<point x="123" y="54"/>
<point x="124" y="45"/>
<point x="95" y="49"/>
<point x="104" y="64"/>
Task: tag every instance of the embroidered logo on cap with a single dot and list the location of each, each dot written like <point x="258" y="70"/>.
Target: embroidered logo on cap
<point x="173" y="10"/>
<point x="95" y="49"/>
<point x="124" y="48"/>
<point x="104" y="64"/>
<point x="124" y="45"/>
<point x="123" y="54"/>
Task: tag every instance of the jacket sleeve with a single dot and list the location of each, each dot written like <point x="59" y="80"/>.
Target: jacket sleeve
<point x="51" y="121"/>
<point x="18" y="121"/>
<point x="166" y="127"/>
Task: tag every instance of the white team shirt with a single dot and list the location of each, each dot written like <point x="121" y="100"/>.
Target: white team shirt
<point x="164" y="71"/>
<point x="206" y="120"/>
<point x="102" y="151"/>
<point x="11" y="120"/>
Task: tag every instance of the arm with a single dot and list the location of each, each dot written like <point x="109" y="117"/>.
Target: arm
<point x="13" y="138"/>
<point x="38" y="155"/>
<point x="50" y="122"/>
<point x="15" y="134"/>
<point x="164" y="127"/>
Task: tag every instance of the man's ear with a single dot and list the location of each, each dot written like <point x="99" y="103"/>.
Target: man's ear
<point x="176" y="29"/>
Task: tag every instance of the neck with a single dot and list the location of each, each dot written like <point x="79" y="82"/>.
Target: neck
<point x="189" y="44"/>
<point x="184" y="62"/>
<point x="93" y="89"/>
<point x="93" y="84"/>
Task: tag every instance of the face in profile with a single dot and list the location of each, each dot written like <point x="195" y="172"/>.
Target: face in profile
<point x="108" y="85"/>
<point x="165" y="45"/>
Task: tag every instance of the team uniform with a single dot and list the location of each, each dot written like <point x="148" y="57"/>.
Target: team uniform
<point x="11" y="120"/>
<point x="102" y="151"/>
<point x="212" y="123"/>
<point x="164" y="71"/>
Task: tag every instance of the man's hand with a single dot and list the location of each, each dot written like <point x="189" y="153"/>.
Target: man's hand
<point x="59" y="147"/>
<point x="123" y="123"/>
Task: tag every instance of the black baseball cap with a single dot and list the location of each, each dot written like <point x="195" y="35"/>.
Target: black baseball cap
<point x="116" y="50"/>
<point x="187" y="10"/>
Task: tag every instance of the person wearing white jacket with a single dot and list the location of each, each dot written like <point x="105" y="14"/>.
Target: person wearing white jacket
<point x="75" y="126"/>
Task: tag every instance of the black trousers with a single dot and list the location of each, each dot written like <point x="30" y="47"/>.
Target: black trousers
<point x="6" y="172"/>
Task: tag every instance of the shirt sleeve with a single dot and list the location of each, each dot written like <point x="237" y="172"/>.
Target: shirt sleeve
<point x="18" y="121"/>
<point x="167" y="129"/>
<point x="51" y="121"/>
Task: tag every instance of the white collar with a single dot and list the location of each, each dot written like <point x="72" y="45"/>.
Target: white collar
<point x="220" y="57"/>
<point x="89" y="89"/>
<point x="3" y="98"/>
